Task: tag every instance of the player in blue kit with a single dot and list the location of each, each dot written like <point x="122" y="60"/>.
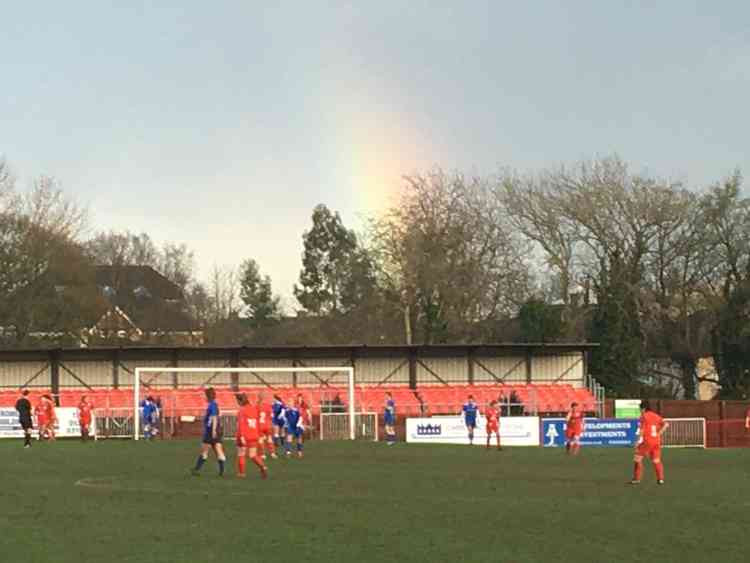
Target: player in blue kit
<point x="293" y="428"/>
<point x="212" y="435"/>
<point x="277" y="421"/>
<point x="470" y="412"/>
<point x="150" y="414"/>
<point x="389" y="419"/>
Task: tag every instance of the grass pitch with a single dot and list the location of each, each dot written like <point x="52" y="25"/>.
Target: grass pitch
<point x="120" y="501"/>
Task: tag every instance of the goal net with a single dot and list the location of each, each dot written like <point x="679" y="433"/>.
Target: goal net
<point x="179" y="395"/>
<point x="685" y="433"/>
<point x="336" y="426"/>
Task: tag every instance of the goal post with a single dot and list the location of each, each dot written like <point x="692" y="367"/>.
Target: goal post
<point x="255" y="380"/>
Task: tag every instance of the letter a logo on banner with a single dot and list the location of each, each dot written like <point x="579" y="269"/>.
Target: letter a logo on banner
<point x="551" y="434"/>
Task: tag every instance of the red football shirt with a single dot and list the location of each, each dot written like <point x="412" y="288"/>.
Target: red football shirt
<point x="264" y="417"/>
<point x="493" y="416"/>
<point x="304" y="411"/>
<point x="247" y="422"/>
<point x="575" y="420"/>
<point x="651" y="424"/>
<point x="39" y="411"/>
<point x="84" y="411"/>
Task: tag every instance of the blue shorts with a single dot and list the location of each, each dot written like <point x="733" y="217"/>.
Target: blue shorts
<point x="209" y="439"/>
<point x="389" y="420"/>
<point x="471" y="424"/>
<point x="277" y="421"/>
<point x="297" y="432"/>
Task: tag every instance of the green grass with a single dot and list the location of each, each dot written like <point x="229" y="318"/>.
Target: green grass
<point x="365" y="502"/>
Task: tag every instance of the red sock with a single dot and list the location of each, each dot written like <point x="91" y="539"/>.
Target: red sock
<point x="659" y="468"/>
<point x="241" y="465"/>
<point x="637" y="470"/>
<point x="257" y="460"/>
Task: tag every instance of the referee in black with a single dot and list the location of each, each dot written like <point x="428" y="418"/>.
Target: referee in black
<point x="23" y="406"/>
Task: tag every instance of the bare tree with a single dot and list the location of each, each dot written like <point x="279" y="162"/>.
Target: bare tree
<point x="533" y="208"/>
<point x="50" y="208"/>
<point x="224" y="292"/>
<point x="7" y="185"/>
<point x="448" y="257"/>
<point x="726" y="216"/>
<point x="43" y="272"/>
<point x="174" y="261"/>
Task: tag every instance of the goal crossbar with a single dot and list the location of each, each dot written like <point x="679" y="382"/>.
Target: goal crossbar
<point x="167" y="369"/>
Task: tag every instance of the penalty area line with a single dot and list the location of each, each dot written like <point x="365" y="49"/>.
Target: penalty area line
<point x="110" y="484"/>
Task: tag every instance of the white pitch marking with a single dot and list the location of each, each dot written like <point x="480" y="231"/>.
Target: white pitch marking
<point x="107" y="484"/>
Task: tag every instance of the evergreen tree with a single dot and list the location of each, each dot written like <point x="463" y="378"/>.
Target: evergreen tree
<point x="615" y="325"/>
<point x="261" y="305"/>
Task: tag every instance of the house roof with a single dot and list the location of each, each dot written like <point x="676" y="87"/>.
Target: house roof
<point x="125" y="280"/>
<point x="145" y="298"/>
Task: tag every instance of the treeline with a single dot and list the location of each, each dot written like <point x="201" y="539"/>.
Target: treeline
<point x="657" y="273"/>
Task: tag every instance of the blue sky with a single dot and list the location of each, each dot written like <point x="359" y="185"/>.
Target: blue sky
<point x="221" y="124"/>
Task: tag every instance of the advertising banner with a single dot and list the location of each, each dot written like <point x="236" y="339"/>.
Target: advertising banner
<point x="627" y="408"/>
<point x="67" y="423"/>
<point x="514" y="431"/>
<point x="597" y="432"/>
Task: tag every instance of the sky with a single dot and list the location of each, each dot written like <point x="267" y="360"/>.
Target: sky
<point x="222" y="124"/>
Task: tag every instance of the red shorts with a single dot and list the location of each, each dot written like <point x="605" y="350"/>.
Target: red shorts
<point x="266" y="431"/>
<point x="249" y="442"/>
<point x="86" y="422"/>
<point x="41" y="421"/>
<point x="572" y="433"/>
<point x="493" y="428"/>
<point x="651" y="451"/>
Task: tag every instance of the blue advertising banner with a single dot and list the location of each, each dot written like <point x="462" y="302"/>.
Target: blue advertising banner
<point x="609" y="432"/>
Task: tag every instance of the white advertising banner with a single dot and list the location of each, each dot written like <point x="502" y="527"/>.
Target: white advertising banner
<point x="514" y="431"/>
<point x="66" y="427"/>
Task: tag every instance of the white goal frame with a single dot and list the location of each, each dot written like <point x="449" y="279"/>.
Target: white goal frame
<point x="167" y="369"/>
<point x="681" y="435"/>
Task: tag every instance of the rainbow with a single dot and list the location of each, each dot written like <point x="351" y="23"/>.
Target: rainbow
<point x="381" y="149"/>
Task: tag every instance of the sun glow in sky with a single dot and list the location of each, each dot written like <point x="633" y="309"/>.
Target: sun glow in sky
<point x="223" y="124"/>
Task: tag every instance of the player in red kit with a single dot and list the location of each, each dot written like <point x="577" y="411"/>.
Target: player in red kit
<point x="45" y="416"/>
<point x="84" y="417"/>
<point x="41" y="419"/>
<point x="265" y="413"/>
<point x="49" y="413"/>
<point x="247" y="436"/>
<point x="493" y="423"/>
<point x="747" y="421"/>
<point x="304" y="411"/>
<point x="573" y="429"/>
<point x="651" y="427"/>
